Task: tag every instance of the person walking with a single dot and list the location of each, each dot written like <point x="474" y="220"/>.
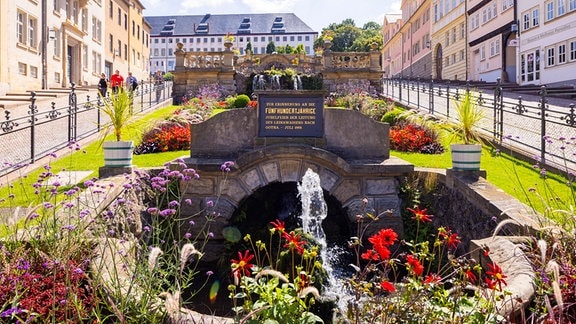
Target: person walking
<point x="116" y="80"/>
<point x="159" y="83"/>
<point x="131" y="82"/>
<point x="103" y="85"/>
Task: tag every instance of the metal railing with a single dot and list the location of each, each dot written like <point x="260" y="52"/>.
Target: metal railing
<point x="28" y="133"/>
<point x="539" y="125"/>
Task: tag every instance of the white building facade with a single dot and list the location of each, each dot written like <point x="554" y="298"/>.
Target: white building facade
<point x="547" y="42"/>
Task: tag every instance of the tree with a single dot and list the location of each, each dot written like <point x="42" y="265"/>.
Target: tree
<point x="270" y="48"/>
<point x="346" y="37"/>
<point x="248" y="47"/>
<point x="289" y="49"/>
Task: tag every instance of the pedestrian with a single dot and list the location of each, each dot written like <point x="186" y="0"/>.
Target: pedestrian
<point x="131" y="82"/>
<point x="103" y="85"/>
<point x="116" y="80"/>
<point x="159" y="83"/>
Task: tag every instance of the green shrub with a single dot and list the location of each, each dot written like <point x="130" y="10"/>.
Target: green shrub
<point x="241" y="101"/>
<point x="393" y="117"/>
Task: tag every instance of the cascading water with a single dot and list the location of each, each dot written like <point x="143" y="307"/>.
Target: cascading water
<point x="297" y="82"/>
<point x="314" y="211"/>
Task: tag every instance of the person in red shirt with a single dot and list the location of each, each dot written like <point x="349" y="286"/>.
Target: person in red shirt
<point x="116" y="80"/>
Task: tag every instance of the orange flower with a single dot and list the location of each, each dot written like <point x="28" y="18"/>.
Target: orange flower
<point x="294" y="242"/>
<point x="242" y="266"/>
<point x="278" y="226"/>
<point x="420" y="215"/>
<point x="496" y="276"/>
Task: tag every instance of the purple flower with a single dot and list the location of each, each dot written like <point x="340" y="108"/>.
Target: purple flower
<point x="48" y="205"/>
<point x="153" y="210"/>
<point x="209" y="273"/>
<point x="23" y="264"/>
<point x="69" y="227"/>
<point x="78" y="271"/>
<point x="210" y="203"/>
<point x="188" y="201"/>
<point x="173" y="204"/>
<point x="167" y="212"/>
<point x="146" y="228"/>
<point x="11" y="312"/>
<point x="187" y="236"/>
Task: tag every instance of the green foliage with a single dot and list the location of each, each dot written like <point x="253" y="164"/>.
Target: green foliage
<point x="118" y="108"/>
<point x="346" y="37"/>
<point x="270" y="48"/>
<point x="168" y="76"/>
<point x="465" y="128"/>
<point x="241" y="101"/>
<point x="393" y="116"/>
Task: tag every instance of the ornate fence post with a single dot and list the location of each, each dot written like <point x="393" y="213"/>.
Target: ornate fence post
<point x="543" y="105"/>
<point x="431" y="97"/>
<point x="32" y="111"/>
<point x="400" y="89"/>
<point x="417" y="92"/>
<point x="72" y="113"/>
<point x="498" y="111"/>
<point x="448" y="98"/>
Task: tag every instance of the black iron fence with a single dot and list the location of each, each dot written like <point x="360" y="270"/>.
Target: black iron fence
<point x="537" y="123"/>
<point x="30" y="132"/>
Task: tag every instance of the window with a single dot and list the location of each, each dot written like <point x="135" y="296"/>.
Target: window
<point x="20" y="33"/>
<point x="526" y="21"/>
<point x="454" y="35"/>
<point x="549" y="10"/>
<point x="96" y="62"/>
<point x="155" y="52"/>
<point x="462" y="55"/>
<point x="56" y="77"/>
<point x="571" y="5"/>
<point x="507" y="4"/>
<point x="119" y="17"/>
<point x="22" y="68"/>
<point x="550" y="56"/>
<point x="75" y="12"/>
<point x="85" y="20"/>
<point x="133" y="28"/>
<point x="111" y="43"/>
<point x="119" y="49"/>
<point x="492" y="49"/>
<point x="482" y="53"/>
<point x="125" y="51"/>
<point x="447" y="39"/>
<point x="111" y="9"/>
<point x="573" y="50"/>
<point x="125" y="22"/>
<point x="561" y="7"/>
<point x="96" y="29"/>
<point x="57" y="43"/>
<point x="561" y="53"/>
<point x="34" y="72"/>
<point x="535" y="17"/>
<point x="462" y="31"/>
<point x="85" y="57"/>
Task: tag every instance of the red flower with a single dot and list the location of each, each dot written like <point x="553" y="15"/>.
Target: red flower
<point x="387" y="286"/>
<point x="420" y="215"/>
<point x="432" y="278"/>
<point x="278" y="226"/>
<point x="471" y="276"/>
<point x="242" y="266"/>
<point x="491" y="284"/>
<point x="453" y="241"/>
<point x="496" y="275"/>
<point x="370" y="255"/>
<point x="294" y="242"/>
<point x="385" y="237"/>
<point x="414" y="264"/>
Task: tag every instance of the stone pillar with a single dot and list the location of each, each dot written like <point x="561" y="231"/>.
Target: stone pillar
<point x="180" y="56"/>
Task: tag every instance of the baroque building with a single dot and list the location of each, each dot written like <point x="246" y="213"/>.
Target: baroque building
<point x="54" y="43"/>
<point x="206" y="33"/>
<point x="547" y="44"/>
<point x="449" y="40"/>
<point x="492" y="40"/>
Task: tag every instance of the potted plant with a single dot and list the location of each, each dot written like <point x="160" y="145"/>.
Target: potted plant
<point x="118" y="108"/>
<point x="465" y="129"/>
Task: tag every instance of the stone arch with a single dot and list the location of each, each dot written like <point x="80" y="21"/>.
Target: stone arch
<point x="438" y="61"/>
<point x="288" y="163"/>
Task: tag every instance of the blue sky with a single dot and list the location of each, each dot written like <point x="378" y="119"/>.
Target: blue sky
<point x="315" y="13"/>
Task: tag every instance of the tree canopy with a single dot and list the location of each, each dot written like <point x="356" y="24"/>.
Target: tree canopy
<point x="347" y="37"/>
